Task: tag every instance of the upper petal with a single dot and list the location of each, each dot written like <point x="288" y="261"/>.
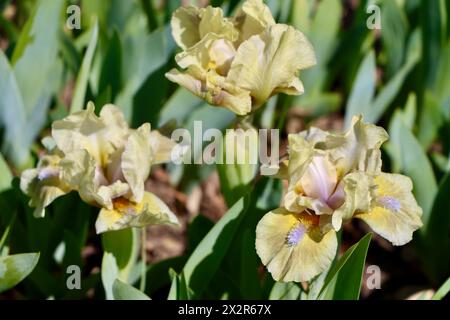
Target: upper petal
<point x="81" y="172"/>
<point x="210" y="53"/>
<point x="184" y="23"/>
<point x="394" y="213"/>
<point x="191" y="24"/>
<point x="270" y="62"/>
<point x="252" y="19"/>
<point x="319" y="179"/>
<point x="293" y="247"/>
<point x="213" y="21"/>
<point x="301" y="153"/>
<point x="100" y="136"/>
<point x="136" y="161"/>
<point x="358" y="148"/>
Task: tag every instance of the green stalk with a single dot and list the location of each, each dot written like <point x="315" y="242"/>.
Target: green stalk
<point x="143" y="258"/>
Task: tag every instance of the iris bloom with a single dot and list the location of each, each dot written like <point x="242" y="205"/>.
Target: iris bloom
<point x="107" y="163"/>
<point x="239" y="62"/>
<point x="332" y="179"/>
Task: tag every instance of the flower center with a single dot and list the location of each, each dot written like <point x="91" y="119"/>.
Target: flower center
<point x="48" y="173"/>
<point x="125" y="206"/>
<point x="390" y="203"/>
<point x="295" y="235"/>
<point x="320" y="179"/>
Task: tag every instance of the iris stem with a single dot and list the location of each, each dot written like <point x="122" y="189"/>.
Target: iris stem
<point x="143" y="258"/>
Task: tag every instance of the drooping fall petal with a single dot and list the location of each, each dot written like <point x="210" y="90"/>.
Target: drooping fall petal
<point x="394" y="213"/>
<point x="293" y="245"/>
<point x="44" y="184"/>
<point x="125" y="214"/>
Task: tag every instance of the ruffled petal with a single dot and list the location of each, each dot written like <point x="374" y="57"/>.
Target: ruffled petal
<point x="301" y="153"/>
<point x="357" y="149"/>
<point x="185" y="22"/>
<point x="270" y="62"/>
<point x="252" y="19"/>
<point x="210" y="53"/>
<point x="358" y="188"/>
<point x="191" y="24"/>
<point x="293" y="246"/>
<point x="394" y="213"/>
<point x="125" y="214"/>
<point x="100" y="136"/>
<point x="213" y="21"/>
<point x="81" y="172"/>
<point x="136" y="161"/>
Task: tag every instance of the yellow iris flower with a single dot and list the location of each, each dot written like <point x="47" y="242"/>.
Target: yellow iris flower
<point x="332" y="179"/>
<point x="239" y="62"/>
<point x="107" y="163"/>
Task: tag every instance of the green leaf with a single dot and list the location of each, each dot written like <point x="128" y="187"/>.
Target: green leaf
<point x="285" y="291"/>
<point x="144" y="54"/>
<point x="437" y="258"/>
<point x="69" y="52"/>
<point x="5" y="235"/>
<point x="301" y="10"/>
<point x="442" y="291"/>
<point x="158" y="275"/>
<point x="343" y="281"/>
<point x="111" y="70"/>
<point x="431" y="120"/>
<point x="442" y="81"/>
<point x="197" y="230"/>
<point x="120" y="254"/>
<point x="151" y="14"/>
<point x="434" y="37"/>
<point x="38" y="71"/>
<point x="35" y="54"/>
<point x="206" y="258"/>
<point x="415" y="164"/>
<point x="78" y="100"/>
<point x="408" y="116"/>
<point x="15" y="268"/>
<point x="395" y="27"/>
<point x="363" y="89"/>
<point x="179" y="289"/>
<point x="110" y="272"/>
<point x="324" y="36"/>
<point x="5" y="175"/>
<point x="123" y="291"/>
<point x="236" y="178"/>
<point x="179" y="107"/>
<point x="388" y="93"/>
<point x="12" y="116"/>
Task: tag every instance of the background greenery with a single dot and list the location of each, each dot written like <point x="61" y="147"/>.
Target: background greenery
<point x="398" y="77"/>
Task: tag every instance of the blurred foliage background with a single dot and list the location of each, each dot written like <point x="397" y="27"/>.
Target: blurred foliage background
<point x="397" y="76"/>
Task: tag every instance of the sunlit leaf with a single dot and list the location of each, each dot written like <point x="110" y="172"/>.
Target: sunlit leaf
<point x="79" y="96"/>
<point x="343" y="281"/>
<point x="15" y="268"/>
<point x="123" y="291"/>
